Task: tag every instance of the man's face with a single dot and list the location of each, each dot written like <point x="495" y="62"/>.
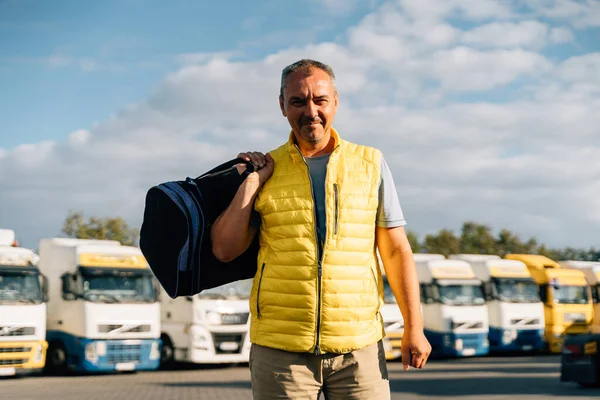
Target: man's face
<point x="309" y="103"/>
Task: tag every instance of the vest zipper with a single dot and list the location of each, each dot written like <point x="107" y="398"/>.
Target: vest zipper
<point x="262" y="271"/>
<point x="335" y="194"/>
<point x="319" y="261"/>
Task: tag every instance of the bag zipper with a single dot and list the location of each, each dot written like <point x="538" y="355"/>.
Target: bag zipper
<point x="262" y="271"/>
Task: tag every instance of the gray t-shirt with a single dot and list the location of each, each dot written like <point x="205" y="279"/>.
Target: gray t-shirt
<point x="389" y="211"/>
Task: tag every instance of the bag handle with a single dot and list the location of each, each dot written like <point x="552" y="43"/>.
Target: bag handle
<point x="228" y="166"/>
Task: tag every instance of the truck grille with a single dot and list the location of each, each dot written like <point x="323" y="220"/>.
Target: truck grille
<point x="112" y="327"/>
<point x="15" y="361"/>
<point x="576" y="318"/>
<point x="234" y="318"/>
<point x="122" y="353"/>
<point x="24" y="331"/>
<point x="525" y="321"/>
<point x="219" y="338"/>
<point x="15" y="350"/>
<point x="467" y="325"/>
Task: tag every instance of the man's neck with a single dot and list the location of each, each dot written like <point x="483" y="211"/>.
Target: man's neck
<point x="321" y="148"/>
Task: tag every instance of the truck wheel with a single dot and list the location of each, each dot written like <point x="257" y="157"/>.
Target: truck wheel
<point x="56" y="359"/>
<point x="167" y="353"/>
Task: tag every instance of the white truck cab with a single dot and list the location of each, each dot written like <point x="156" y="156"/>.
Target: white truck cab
<point x="103" y="310"/>
<point x="455" y="316"/>
<point x="515" y="309"/>
<point x="23" y="296"/>
<point x="210" y="327"/>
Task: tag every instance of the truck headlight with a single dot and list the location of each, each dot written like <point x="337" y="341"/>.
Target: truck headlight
<point x="154" y="351"/>
<point x="508" y="336"/>
<point x="458" y="345"/>
<point x="90" y="353"/>
<point x="199" y="337"/>
<point x="38" y="352"/>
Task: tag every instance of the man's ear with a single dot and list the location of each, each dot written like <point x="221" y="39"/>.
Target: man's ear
<point x="282" y="106"/>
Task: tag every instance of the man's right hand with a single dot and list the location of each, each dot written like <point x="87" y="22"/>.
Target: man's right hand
<point x="264" y="166"/>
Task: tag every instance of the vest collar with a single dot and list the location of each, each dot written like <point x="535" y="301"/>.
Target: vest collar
<point x="295" y="152"/>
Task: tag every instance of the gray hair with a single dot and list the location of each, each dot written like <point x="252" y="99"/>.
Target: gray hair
<point x="305" y="65"/>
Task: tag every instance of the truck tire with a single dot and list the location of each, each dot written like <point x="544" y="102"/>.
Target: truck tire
<point x="56" y="359"/>
<point x="167" y="353"/>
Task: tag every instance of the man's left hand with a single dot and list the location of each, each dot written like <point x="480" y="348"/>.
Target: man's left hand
<point x="415" y="348"/>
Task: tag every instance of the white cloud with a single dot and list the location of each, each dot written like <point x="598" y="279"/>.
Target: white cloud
<point x="561" y="35"/>
<point x="465" y="69"/>
<point x="526" y="162"/>
<point x="79" y="137"/>
<point x="510" y="34"/>
<point x="580" y="13"/>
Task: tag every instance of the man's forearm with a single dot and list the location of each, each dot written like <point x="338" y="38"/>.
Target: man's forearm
<point x="231" y="232"/>
<point x="399" y="265"/>
<point x="407" y="292"/>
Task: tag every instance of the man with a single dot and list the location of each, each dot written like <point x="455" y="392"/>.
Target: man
<point x="321" y="206"/>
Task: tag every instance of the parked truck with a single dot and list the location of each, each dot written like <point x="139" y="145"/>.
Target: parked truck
<point x="455" y="316"/>
<point x="22" y="309"/>
<point x="103" y="310"/>
<point x="516" y="313"/>
<point x="210" y="327"/>
<point x="591" y="270"/>
<point x="566" y="296"/>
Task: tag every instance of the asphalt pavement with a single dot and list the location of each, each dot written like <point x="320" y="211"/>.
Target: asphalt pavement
<point x="490" y="378"/>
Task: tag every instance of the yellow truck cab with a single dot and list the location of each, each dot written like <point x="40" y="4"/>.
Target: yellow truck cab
<point x="591" y="270"/>
<point x="566" y="296"/>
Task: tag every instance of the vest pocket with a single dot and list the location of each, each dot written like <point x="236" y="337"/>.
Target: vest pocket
<point x="337" y="209"/>
<point x="262" y="270"/>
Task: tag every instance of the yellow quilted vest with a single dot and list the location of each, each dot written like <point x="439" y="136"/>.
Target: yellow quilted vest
<point x="299" y="303"/>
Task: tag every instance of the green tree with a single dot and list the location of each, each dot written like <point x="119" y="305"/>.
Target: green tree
<point x="477" y="239"/>
<point x="444" y="242"/>
<point x="116" y="228"/>
<point x="508" y="242"/>
<point x="413" y="239"/>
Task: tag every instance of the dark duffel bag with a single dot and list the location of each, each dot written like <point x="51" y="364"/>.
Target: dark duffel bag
<point x="175" y="232"/>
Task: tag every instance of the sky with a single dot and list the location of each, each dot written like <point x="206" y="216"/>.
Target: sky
<point x="485" y="110"/>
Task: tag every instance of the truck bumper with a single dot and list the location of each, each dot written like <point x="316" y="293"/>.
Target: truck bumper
<point x="22" y="358"/>
<point x="505" y="340"/>
<point x="217" y="347"/>
<point x="450" y="344"/>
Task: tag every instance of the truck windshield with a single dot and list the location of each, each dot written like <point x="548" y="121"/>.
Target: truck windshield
<point x="461" y="295"/>
<point x="570" y="294"/>
<point x="109" y="286"/>
<point x="517" y="291"/>
<point x="231" y="291"/>
<point x="388" y="295"/>
<point x="20" y="288"/>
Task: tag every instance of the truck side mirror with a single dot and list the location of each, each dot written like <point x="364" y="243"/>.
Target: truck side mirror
<point x="67" y="287"/>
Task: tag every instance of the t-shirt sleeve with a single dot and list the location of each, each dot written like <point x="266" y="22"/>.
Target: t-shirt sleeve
<point x="389" y="212"/>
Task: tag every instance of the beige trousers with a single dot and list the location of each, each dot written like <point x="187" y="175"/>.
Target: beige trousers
<point x="360" y="375"/>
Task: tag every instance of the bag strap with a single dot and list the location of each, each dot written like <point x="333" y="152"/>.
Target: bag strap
<point x="227" y="167"/>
